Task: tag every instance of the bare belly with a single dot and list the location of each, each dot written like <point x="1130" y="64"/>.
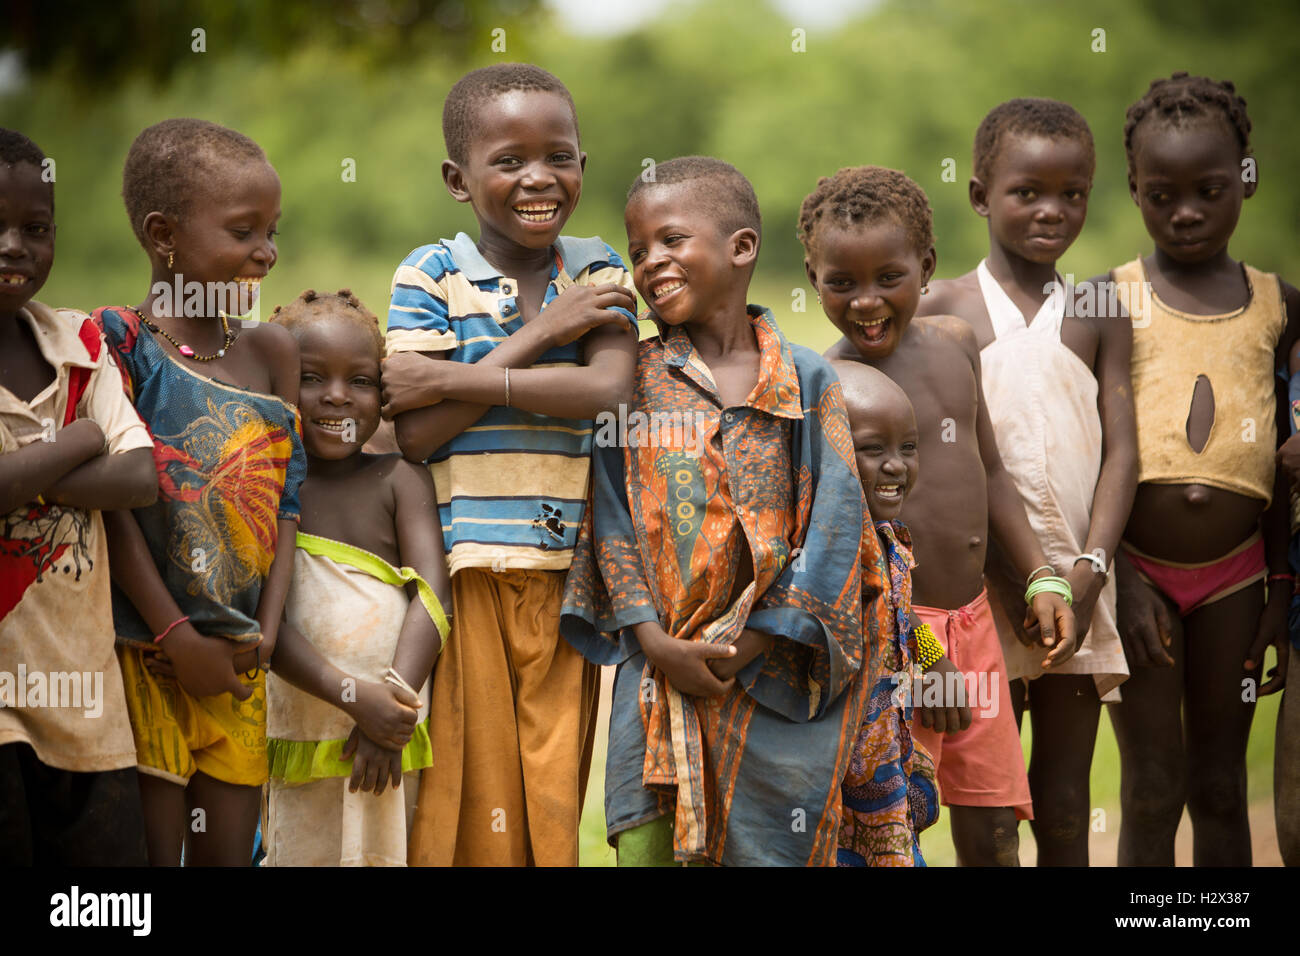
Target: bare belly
<point x="1190" y="523"/>
<point x="949" y="525"/>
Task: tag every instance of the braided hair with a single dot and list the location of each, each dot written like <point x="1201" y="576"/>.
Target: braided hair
<point x="312" y="306"/>
<point x="1183" y="98"/>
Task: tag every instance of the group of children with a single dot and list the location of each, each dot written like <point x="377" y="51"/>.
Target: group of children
<point x="394" y="658"/>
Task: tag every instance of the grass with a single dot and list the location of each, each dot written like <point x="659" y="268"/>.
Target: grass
<point x="936" y="843"/>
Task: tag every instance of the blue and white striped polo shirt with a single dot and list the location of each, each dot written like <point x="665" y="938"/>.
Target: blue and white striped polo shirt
<point x="512" y="487"/>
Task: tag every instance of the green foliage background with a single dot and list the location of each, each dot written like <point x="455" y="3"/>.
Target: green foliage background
<point x="904" y="85"/>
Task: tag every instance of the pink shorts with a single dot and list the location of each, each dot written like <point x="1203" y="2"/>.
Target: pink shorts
<point x="983" y="765"/>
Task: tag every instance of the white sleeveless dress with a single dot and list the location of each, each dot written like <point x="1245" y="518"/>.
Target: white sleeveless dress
<point x="1042" y="400"/>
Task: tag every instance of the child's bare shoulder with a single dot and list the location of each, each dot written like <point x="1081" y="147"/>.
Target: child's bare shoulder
<point x="389" y="467"/>
<point x="1097" y="299"/>
<point x="841" y="351"/>
<point x="271" y="338"/>
<point x="274" y="344"/>
<point x="277" y="352"/>
<point x="405" y="475"/>
<point x="945" y="333"/>
<point x="959" y="296"/>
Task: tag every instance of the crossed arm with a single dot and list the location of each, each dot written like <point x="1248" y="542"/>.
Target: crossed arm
<point x="432" y="400"/>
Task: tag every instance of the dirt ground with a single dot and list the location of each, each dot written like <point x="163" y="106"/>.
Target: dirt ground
<point x="1103" y="848"/>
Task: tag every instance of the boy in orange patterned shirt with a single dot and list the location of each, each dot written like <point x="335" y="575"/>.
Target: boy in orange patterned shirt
<point x="722" y="563"/>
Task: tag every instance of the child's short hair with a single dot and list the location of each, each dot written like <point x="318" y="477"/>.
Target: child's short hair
<point x="1183" y="99"/>
<point x="466" y="99"/>
<point x="1028" y="116"/>
<point x="720" y="189"/>
<point x="868" y="194"/>
<point x="310" y="306"/>
<point x="170" y="159"/>
<point x="16" y="148"/>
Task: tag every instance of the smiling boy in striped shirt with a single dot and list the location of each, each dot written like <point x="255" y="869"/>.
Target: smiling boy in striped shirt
<point x="501" y="352"/>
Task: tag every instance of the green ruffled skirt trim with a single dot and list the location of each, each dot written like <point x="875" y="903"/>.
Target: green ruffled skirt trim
<point x="303" y="761"/>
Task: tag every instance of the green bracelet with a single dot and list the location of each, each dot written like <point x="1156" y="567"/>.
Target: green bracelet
<point x="1049" y="584"/>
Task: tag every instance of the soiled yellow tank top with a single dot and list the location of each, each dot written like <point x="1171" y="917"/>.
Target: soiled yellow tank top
<point x="1236" y="353"/>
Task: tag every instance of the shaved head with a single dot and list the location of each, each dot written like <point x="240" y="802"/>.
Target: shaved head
<point x="869" y="393"/>
<point x="883" y="426"/>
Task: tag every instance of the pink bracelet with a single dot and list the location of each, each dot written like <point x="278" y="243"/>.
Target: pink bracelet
<point x="181" y="620"/>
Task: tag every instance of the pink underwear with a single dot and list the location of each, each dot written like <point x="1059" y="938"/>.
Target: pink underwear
<point x="1191" y="586"/>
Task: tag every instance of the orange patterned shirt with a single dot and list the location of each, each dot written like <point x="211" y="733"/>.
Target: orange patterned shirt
<point x="679" y="484"/>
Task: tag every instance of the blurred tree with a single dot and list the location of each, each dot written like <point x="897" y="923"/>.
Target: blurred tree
<point x="96" y="47"/>
<point x="903" y="85"/>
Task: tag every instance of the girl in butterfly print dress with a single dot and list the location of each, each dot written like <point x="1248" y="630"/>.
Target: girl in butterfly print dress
<point x="200" y="576"/>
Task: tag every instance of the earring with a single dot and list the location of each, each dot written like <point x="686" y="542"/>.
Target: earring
<point x="171" y="259"/>
<point x="925" y="289"/>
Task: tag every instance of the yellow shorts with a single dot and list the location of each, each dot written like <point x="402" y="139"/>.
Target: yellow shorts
<point x="177" y="733"/>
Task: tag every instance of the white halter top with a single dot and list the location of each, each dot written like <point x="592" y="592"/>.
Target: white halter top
<point x="1042" y="401"/>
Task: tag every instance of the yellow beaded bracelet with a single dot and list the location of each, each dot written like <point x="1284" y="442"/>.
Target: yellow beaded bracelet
<point x="928" y="648"/>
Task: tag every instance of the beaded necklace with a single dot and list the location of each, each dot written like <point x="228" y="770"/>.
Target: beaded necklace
<point x="185" y="350"/>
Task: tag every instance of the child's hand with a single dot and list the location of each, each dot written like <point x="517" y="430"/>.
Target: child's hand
<point x="1272" y="630"/>
<point x="1085" y="586"/>
<point x="373" y="767"/>
<point x="580" y="308"/>
<point x="205" y="666"/>
<point x="245" y="661"/>
<point x="1288" y="456"/>
<point x="385" y="713"/>
<point x="685" y="663"/>
<point x="749" y="645"/>
<point x="1049" y="618"/>
<point x="1146" y="625"/>
<point x="159" y="664"/>
<point x="411" y="380"/>
<point x="951" y="712"/>
<point x="259" y="655"/>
